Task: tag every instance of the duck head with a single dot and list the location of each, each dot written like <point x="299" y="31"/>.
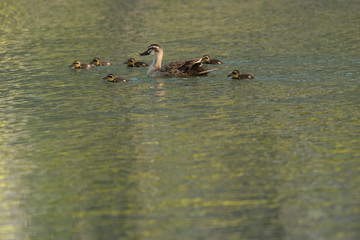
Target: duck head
<point x="234" y="74"/>
<point x="206" y="58"/>
<point x="130" y="62"/>
<point x="110" y="77"/>
<point x="95" y="61"/>
<point x="75" y="64"/>
<point x="152" y="49"/>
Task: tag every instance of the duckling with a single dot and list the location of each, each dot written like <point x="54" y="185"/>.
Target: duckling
<point x="79" y="65"/>
<point x="207" y="60"/>
<point x="182" y="68"/>
<point x="132" y="63"/>
<point x="235" y="74"/>
<point x="111" y="78"/>
<point x="97" y="62"/>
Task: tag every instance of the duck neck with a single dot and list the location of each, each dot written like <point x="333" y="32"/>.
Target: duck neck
<point x="156" y="64"/>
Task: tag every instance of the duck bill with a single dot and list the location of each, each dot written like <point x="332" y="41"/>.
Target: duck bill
<point x="105" y="78"/>
<point x="72" y="65"/>
<point x="147" y="52"/>
<point x="229" y="75"/>
<point x="125" y="63"/>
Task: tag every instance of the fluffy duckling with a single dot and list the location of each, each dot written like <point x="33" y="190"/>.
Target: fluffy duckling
<point x="182" y="68"/>
<point x="79" y="65"/>
<point x="206" y="59"/>
<point x="111" y="78"/>
<point x="97" y="62"/>
<point x="235" y="74"/>
<point x="132" y="63"/>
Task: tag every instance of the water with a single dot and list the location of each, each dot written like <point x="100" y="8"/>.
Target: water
<point x="276" y="157"/>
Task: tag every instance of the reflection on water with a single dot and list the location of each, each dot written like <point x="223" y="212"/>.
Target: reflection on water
<point x="200" y="158"/>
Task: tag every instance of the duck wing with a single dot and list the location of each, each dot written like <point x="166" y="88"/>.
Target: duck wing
<point x="215" y="61"/>
<point x="194" y="68"/>
<point x="190" y="64"/>
<point x="183" y="65"/>
<point x="141" y="64"/>
<point x="246" y="76"/>
<point x="106" y="63"/>
<point x="185" y="68"/>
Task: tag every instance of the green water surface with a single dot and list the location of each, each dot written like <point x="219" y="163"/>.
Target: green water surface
<point x="277" y="157"/>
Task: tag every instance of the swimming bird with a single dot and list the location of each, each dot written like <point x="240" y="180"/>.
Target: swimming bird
<point x="132" y="63"/>
<point x="182" y="68"/>
<point x="79" y="65"/>
<point x="207" y="60"/>
<point x="111" y="78"/>
<point x="97" y="62"/>
<point x="235" y="74"/>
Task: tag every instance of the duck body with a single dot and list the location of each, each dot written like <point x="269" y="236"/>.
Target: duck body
<point x="235" y="74"/>
<point x="79" y="65"/>
<point x="132" y="63"/>
<point x="182" y="68"/>
<point x="97" y="62"/>
<point x="207" y="60"/>
<point x="111" y="78"/>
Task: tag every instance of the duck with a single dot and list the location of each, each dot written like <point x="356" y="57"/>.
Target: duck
<point x="111" y="78"/>
<point x="132" y="63"/>
<point x="206" y="59"/>
<point x="182" y="68"/>
<point x="97" y="62"/>
<point x="78" y="65"/>
<point x="235" y="74"/>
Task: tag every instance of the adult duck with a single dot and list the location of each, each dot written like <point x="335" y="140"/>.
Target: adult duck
<point x="182" y="68"/>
